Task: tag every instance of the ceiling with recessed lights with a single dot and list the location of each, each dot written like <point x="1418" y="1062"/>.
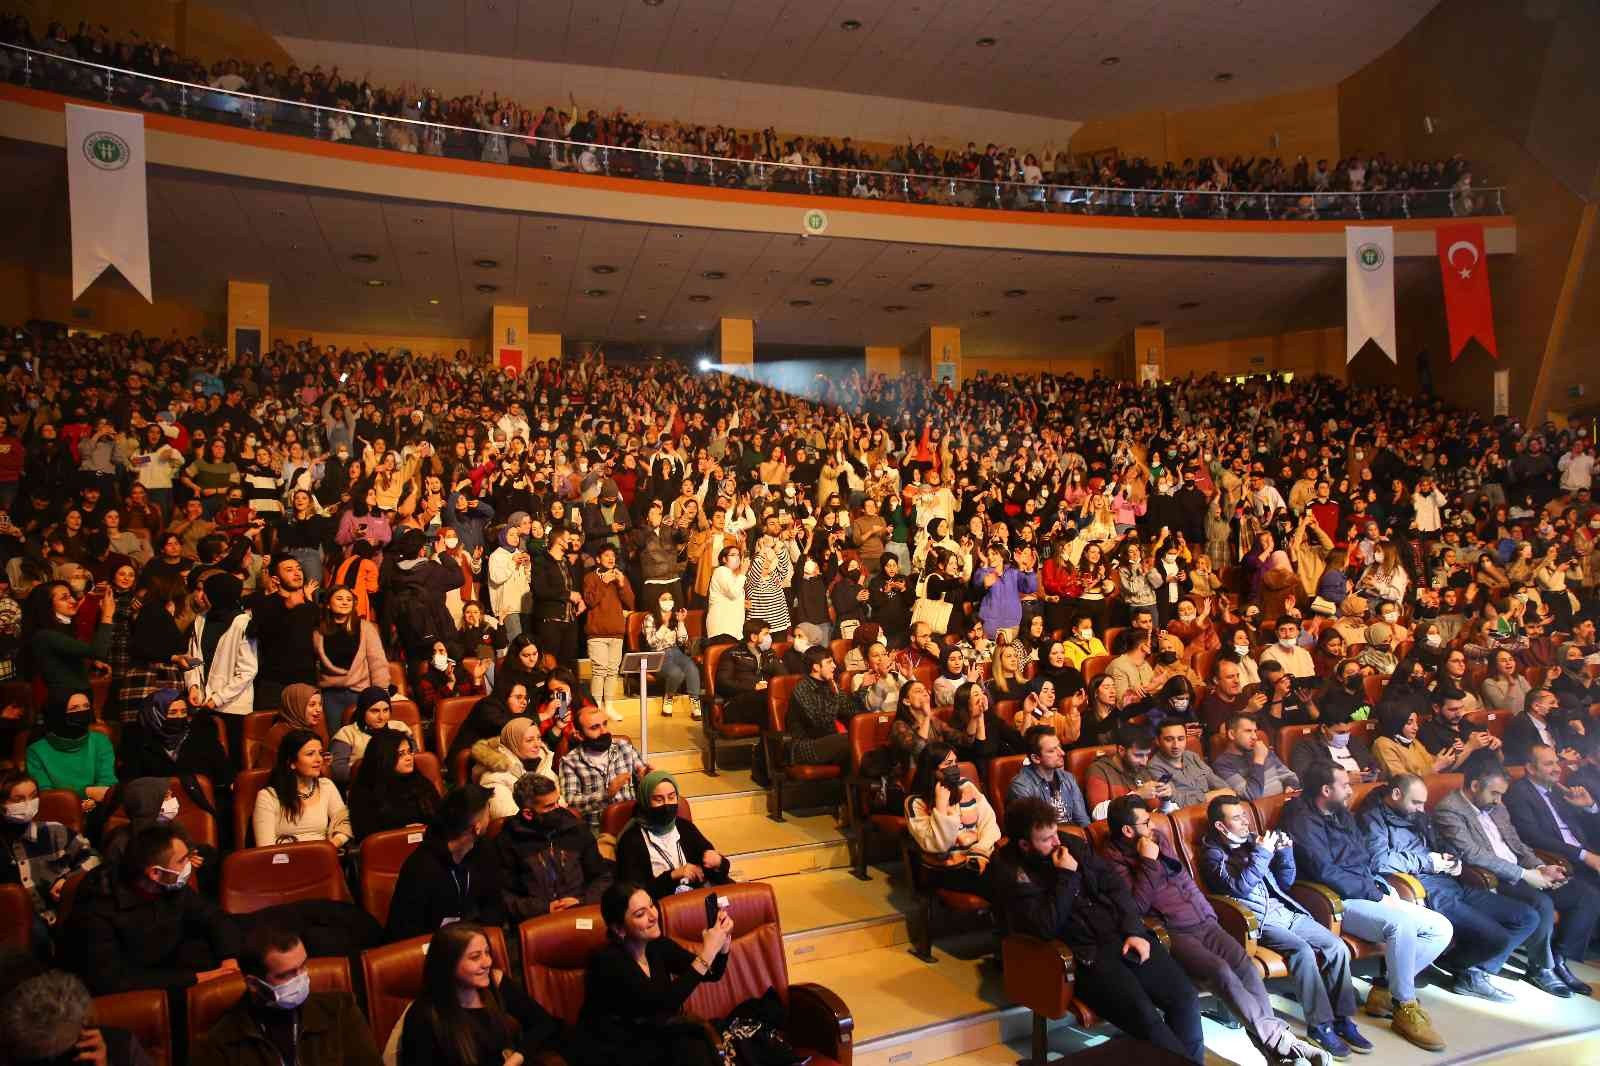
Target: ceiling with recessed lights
<point x="349" y="263"/>
<point x="1038" y="57"/>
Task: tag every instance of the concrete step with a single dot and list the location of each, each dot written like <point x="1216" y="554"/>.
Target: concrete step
<point x="761" y="848"/>
<point x="829" y="913"/>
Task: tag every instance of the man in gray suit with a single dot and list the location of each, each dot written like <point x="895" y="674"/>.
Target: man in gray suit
<point x="1478" y="830"/>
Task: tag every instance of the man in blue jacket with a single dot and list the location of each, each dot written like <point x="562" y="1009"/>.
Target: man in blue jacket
<point x="1043" y="776"/>
<point x="1258" y="872"/>
<point x="1329" y="848"/>
<point x="1488" y="926"/>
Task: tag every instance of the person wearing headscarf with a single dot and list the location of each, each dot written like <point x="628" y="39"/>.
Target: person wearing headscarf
<point x="498" y="763"/>
<point x="371" y="715"/>
<point x="302" y="709"/>
<point x="662" y="852"/>
<point x="388" y="792"/>
<point x="70" y="755"/>
<point x="174" y="739"/>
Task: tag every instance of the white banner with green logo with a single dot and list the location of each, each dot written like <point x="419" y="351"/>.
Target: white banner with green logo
<point x="110" y="209"/>
<point x="1369" y="289"/>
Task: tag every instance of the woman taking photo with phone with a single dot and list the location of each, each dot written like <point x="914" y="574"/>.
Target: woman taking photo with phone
<point x="637" y="984"/>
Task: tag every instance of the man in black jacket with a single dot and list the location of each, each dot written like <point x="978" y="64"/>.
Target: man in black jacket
<point x="1551" y="816"/>
<point x="282" y="620"/>
<point x="448" y="878"/>
<point x="743" y="671"/>
<point x="557" y="601"/>
<point x="1053" y="887"/>
<point x="414" y="598"/>
<point x="139" y="926"/>
<point x="548" y="859"/>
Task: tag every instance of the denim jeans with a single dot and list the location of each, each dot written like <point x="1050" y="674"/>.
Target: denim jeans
<point x="679" y="673"/>
<point x="1319" y="966"/>
<point x="1412" y="937"/>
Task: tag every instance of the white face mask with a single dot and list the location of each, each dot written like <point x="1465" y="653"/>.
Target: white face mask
<point x="450" y="543"/>
<point x="1432" y="640"/>
<point x="441" y="662"/>
<point x="180" y="877"/>
<point x="1086" y="635"/>
<point x="169" y="809"/>
<point x="801" y="644"/>
<point x="24" y="812"/>
<point x="1237" y="838"/>
<point x="666" y="606"/>
<point x="287" y="996"/>
<point x="1181" y="703"/>
<point x="1390" y="617"/>
<point x="1287" y="642"/>
<point x="1242" y="649"/>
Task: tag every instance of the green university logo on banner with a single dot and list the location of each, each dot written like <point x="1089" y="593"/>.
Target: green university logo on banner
<point x="1369" y="256"/>
<point x="106" y="150"/>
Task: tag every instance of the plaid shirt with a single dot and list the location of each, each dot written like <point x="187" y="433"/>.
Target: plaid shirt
<point x="583" y="782"/>
<point x="44" y="853"/>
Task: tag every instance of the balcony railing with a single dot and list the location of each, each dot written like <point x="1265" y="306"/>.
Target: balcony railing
<point x="74" y="77"/>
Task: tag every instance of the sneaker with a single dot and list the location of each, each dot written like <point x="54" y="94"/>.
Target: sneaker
<point x="1411" y="1023"/>
<point x="1346" y="1028"/>
<point x="1380" y="1004"/>
<point x="1475" y="982"/>
<point x="1548" y="981"/>
<point x="612" y="713"/>
<point x="666" y="705"/>
<point x="1326" y="1038"/>
<point x="694" y="709"/>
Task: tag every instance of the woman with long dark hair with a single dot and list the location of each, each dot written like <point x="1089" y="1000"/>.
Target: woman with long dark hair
<point x="350" y="655"/>
<point x="468" y="1014"/>
<point x="636" y="986"/>
<point x="158" y="645"/>
<point x="298" y="802"/>
<point x="57" y="659"/>
<point x="950" y="821"/>
<point x="388" y="792"/>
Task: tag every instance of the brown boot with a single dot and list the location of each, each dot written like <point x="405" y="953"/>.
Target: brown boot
<point x="1380" y="1004"/>
<point x="1411" y="1022"/>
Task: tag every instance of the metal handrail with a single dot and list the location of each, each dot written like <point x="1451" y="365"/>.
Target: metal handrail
<point x="1109" y="196"/>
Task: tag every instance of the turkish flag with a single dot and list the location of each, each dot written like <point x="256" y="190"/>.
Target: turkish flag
<point x="1464" y="268"/>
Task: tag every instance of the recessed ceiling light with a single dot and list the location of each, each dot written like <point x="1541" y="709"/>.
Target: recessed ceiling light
<point x="985" y="42"/>
<point x="982" y="314"/>
<point x="1066" y="318"/>
<point x="1014" y="293"/>
<point x="1110" y="61"/>
<point x="363" y="257"/>
<point x="419" y="220"/>
<point x="699" y="298"/>
<point x="850" y="25"/>
<point x="1226" y="75"/>
<point x="640" y="316"/>
<point x="679" y="236"/>
<point x="376" y="283"/>
<point x="713" y="275"/>
<point x="486" y="264"/>
<point x="486" y="288"/>
<point x="603" y="268"/>
<point x="653" y="3"/>
<point x="597" y="292"/>
<point x="551" y="226"/>
<point x="822" y="283"/>
<point x="892" y="308"/>
<point x="1150" y="322"/>
<point x="1105" y="299"/>
<point x="434" y="300"/>
<point x="922" y="286"/>
<point x="799" y="303"/>
<point x="280" y="212"/>
<point x="1188" y="305"/>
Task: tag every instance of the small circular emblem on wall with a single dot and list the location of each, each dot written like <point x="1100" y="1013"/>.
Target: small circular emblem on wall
<point x="106" y="150"/>
<point x="1370" y="256"/>
<point x="814" y="223"/>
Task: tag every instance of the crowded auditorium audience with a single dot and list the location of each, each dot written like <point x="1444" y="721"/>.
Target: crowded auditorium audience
<point x="1168" y="604"/>
<point x="335" y="106"/>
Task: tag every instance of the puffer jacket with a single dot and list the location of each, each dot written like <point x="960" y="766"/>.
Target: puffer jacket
<point x="1248" y="873"/>
<point x="1402" y="845"/>
<point x="1329" y="848"/>
<point x="495" y="767"/>
<point x="1161" y="887"/>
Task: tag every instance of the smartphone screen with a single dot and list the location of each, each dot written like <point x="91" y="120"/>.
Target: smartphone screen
<point x="713" y="905"/>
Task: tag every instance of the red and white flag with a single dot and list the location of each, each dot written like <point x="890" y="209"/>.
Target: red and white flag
<point x="1464" y="269"/>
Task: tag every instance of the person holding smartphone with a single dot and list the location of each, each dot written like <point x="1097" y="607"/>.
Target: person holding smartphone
<point x="1053" y="886"/>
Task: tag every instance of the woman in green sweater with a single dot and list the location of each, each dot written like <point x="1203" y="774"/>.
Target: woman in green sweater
<point x="70" y="755"/>
<point x="60" y="659"/>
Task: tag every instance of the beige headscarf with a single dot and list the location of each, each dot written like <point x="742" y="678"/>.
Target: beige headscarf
<point x="515" y="732"/>
<point x="295" y="700"/>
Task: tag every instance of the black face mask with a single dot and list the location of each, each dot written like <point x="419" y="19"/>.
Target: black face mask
<point x="597" y="745"/>
<point x="661" y="818"/>
<point x="73" y="726"/>
<point x="552" y="822"/>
